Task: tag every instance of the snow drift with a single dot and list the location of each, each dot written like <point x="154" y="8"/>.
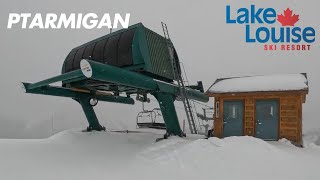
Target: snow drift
<point x="105" y="155"/>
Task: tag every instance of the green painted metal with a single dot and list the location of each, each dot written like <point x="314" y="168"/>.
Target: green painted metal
<point x="113" y="74"/>
<point x="66" y="92"/>
<point x="196" y="95"/>
<point x="140" y="49"/>
<point x="83" y="98"/>
<point x="138" y="25"/>
<point x="164" y="92"/>
<point x="104" y="72"/>
<point x="159" y="54"/>
<point x="166" y="103"/>
<point x="90" y="115"/>
<point x="74" y="75"/>
<point x="149" y="52"/>
<point x="145" y="69"/>
<point x="174" y="89"/>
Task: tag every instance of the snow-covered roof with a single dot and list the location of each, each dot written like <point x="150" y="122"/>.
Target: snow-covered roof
<point x="280" y="82"/>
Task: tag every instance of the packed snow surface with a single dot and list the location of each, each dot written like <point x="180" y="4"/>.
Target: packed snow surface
<point x="284" y="82"/>
<point x="111" y="155"/>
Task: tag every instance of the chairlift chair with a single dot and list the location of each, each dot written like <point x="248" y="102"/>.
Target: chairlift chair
<point x="206" y="117"/>
<point x="148" y="119"/>
<point x="207" y="114"/>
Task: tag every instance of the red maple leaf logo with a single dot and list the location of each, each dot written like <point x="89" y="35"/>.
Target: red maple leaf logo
<point x="288" y="19"/>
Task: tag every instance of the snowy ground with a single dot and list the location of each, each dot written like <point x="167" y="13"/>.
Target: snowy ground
<point x="77" y="155"/>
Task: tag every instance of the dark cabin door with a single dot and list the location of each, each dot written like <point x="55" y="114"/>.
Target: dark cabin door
<point x="232" y="118"/>
<point x="267" y="119"/>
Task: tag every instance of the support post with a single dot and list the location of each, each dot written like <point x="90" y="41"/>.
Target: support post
<point x="169" y="113"/>
<point x="90" y="115"/>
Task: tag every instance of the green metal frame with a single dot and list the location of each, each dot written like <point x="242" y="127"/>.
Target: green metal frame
<point x="90" y="115"/>
<point x="107" y="73"/>
<point x="83" y="97"/>
<point x="149" y="52"/>
<point x="74" y="75"/>
<point x="164" y="92"/>
<point x="75" y="94"/>
<point x="170" y="117"/>
<point x="111" y="74"/>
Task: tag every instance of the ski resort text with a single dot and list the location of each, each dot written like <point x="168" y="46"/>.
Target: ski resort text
<point x="260" y="27"/>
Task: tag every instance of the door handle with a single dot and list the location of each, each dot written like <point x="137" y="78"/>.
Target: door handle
<point x="259" y="123"/>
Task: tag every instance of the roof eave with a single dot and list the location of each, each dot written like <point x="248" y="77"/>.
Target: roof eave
<point x="212" y="94"/>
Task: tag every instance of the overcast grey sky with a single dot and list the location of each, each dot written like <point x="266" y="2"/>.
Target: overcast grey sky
<point x="208" y="47"/>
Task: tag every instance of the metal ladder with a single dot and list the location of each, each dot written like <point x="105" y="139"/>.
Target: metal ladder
<point x="192" y="102"/>
<point x="180" y="81"/>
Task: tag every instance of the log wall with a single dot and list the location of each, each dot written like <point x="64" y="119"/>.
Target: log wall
<point x="290" y="113"/>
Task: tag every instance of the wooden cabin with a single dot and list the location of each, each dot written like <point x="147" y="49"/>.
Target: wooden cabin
<point x="266" y="107"/>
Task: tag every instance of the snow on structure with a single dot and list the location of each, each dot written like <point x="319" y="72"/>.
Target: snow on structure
<point x="267" y="107"/>
<point x="281" y="82"/>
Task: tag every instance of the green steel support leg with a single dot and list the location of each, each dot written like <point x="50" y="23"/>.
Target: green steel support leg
<point x="91" y="115"/>
<point x="169" y="113"/>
